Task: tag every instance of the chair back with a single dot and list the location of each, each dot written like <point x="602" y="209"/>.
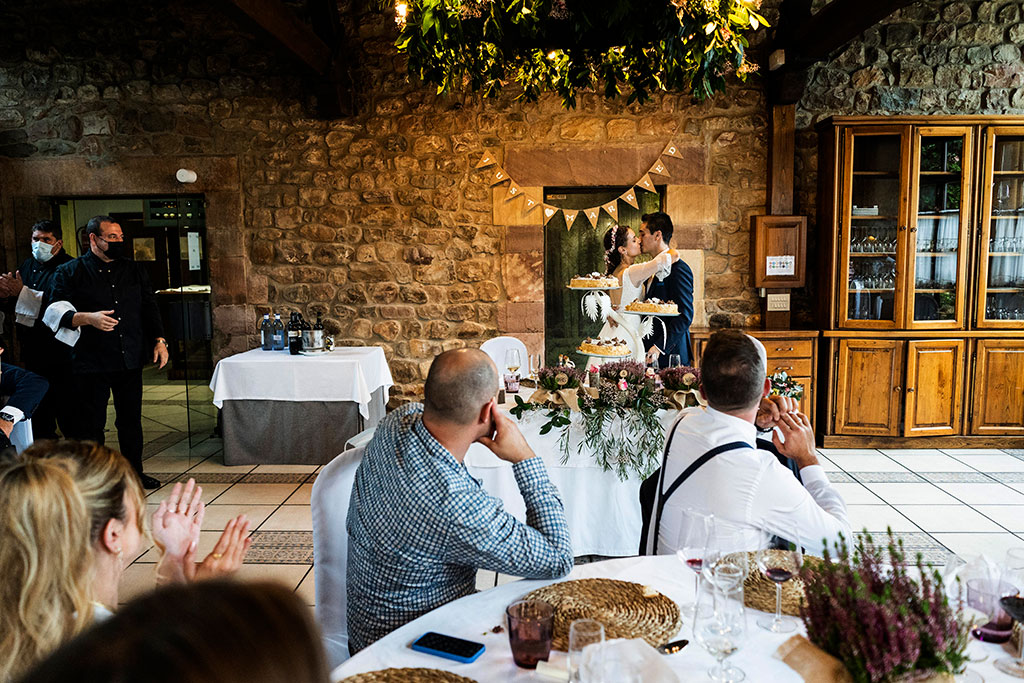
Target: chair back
<point x="329" y="507"/>
<point x="496" y="347"/>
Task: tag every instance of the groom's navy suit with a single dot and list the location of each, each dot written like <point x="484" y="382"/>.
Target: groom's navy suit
<point x="677" y="287"/>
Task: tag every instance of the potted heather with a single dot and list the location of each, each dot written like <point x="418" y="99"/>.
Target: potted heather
<point x="681" y="386"/>
<point x="867" y="611"/>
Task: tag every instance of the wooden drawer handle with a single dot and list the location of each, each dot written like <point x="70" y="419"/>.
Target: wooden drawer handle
<point x="779" y="348"/>
<point x="780" y="368"/>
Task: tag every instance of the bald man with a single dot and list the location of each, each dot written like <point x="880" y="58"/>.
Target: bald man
<point x="419" y="526"/>
<point x="713" y="464"/>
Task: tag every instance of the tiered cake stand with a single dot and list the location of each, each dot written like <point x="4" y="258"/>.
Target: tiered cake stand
<point x="597" y="305"/>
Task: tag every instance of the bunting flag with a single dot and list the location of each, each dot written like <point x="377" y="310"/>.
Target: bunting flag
<point x="659" y="168"/>
<point x="489" y="158"/>
<point x="646" y="183"/>
<point x="672" y="150"/>
<point x="570" y="218"/>
<point x="498" y="175"/>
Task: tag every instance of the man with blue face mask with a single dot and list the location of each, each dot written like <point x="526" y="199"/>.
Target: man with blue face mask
<point x="29" y="287"/>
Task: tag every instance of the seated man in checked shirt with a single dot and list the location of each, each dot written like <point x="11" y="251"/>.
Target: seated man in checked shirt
<point x="419" y="526"/>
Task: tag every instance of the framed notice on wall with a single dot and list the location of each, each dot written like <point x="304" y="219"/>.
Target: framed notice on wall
<point x="778" y="246"/>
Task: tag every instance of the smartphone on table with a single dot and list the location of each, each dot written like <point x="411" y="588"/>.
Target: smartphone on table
<point x="449" y="647"/>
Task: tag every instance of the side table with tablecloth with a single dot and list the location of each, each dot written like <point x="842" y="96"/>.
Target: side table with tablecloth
<point x="282" y="409"/>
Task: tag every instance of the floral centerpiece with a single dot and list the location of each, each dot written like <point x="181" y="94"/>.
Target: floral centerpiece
<point x="784" y="385"/>
<point x="866" y="610"/>
<point x="557" y="388"/>
<point x="681" y="386"/>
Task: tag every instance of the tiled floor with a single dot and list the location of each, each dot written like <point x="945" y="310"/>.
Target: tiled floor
<point x="936" y="501"/>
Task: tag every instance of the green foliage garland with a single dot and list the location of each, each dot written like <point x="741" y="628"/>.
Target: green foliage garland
<point x="567" y="46"/>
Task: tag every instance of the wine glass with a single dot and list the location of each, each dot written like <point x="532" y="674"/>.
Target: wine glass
<point x="720" y="628"/>
<point x="779" y="566"/>
<point x="696" y="530"/>
<point x="674" y="360"/>
<point x="731" y="543"/>
<point x="1013" y="666"/>
<point x="513" y="361"/>
<point x="535" y="365"/>
<point x="583" y="632"/>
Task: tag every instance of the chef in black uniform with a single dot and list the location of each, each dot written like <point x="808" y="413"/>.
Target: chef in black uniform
<point x="29" y="287"/>
<point x="103" y="307"/>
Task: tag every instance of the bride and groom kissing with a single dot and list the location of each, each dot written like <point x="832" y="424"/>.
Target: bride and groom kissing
<point x="665" y="277"/>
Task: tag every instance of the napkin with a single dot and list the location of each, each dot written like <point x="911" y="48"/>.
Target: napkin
<point x="811" y="662"/>
<point x="625" y="660"/>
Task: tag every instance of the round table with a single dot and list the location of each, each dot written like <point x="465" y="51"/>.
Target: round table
<point x="473" y="617"/>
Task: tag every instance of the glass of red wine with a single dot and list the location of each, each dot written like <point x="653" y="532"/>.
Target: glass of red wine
<point x="1014" y="666"/>
<point x="779" y="566"/>
<point x="695" y="540"/>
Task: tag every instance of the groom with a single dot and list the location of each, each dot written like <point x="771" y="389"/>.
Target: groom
<point x="668" y="284"/>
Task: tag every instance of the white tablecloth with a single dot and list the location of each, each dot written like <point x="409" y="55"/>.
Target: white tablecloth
<point x="603" y="512"/>
<point x="345" y="374"/>
<point x="474" y="616"/>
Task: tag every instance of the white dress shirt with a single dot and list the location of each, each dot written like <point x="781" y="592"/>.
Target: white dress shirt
<point x="748" y="488"/>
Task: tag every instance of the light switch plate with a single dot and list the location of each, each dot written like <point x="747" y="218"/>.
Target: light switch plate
<point x="778" y="302"/>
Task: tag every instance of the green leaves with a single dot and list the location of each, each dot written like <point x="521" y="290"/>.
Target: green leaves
<point x="613" y="46"/>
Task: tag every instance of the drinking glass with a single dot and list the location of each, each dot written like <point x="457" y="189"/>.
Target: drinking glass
<point x="779" y="566"/>
<point x="720" y="628"/>
<point x="530" y="624"/>
<point x="730" y="546"/>
<point x="983" y="595"/>
<point x="1013" y="567"/>
<point x="1013" y="666"/>
<point x="513" y="361"/>
<point x="674" y="360"/>
<point x="696" y="530"/>
<point x="535" y="365"/>
<point x="583" y="632"/>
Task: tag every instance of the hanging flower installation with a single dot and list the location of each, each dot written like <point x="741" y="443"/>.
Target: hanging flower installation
<point x="565" y="46"/>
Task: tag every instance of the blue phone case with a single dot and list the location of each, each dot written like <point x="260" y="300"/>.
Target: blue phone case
<point x="432" y="638"/>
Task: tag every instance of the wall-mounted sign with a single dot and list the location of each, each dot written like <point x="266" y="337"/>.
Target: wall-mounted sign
<point x="780" y="265"/>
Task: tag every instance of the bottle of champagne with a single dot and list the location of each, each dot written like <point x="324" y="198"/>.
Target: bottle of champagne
<point x="294" y="335"/>
<point x="267" y="333"/>
<point x="279" y="343"/>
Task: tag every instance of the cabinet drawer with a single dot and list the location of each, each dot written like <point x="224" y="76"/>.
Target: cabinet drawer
<point x="788" y="348"/>
<point x="794" y="367"/>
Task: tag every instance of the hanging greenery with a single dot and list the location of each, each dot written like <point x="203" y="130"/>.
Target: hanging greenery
<point x="566" y="46"/>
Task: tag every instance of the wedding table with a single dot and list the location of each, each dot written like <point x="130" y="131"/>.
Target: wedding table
<point x="603" y="512"/>
<point x="473" y="617"/>
<point x="284" y="409"/>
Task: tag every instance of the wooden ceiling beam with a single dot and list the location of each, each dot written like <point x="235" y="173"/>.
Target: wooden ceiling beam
<point x="281" y="23"/>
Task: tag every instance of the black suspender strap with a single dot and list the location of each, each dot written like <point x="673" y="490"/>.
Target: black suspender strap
<point x="694" y="466"/>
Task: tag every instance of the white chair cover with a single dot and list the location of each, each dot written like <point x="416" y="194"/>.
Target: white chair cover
<point x="496" y="347"/>
<point x="329" y="507"/>
<point x="21" y="435"/>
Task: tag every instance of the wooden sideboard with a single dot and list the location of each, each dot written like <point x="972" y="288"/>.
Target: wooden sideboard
<point x="794" y="352"/>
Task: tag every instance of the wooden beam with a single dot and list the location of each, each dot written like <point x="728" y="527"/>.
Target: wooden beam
<point x="281" y="23"/>
<point x="334" y="92"/>
<point x="781" y="155"/>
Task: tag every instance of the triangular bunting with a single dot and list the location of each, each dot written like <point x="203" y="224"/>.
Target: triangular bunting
<point x="513" y="191"/>
<point x="672" y="150"/>
<point x="630" y="198"/>
<point x="646" y="183"/>
<point x="498" y="175"/>
<point x="612" y="208"/>
<point x="529" y="204"/>
<point x="659" y="168"/>
<point x="549" y="212"/>
<point x="570" y="218"/>
<point x="592" y="215"/>
<point x="488" y="159"/>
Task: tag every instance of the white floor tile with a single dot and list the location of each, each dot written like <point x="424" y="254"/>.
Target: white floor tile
<point x="913" y="494"/>
<point x="972" y="451"/>
<point x="876" y="518"/>
<point x="485" y="580"/>
<point x="993" y="463"/>
<point x="931" y="463"/>
<point x="985" y="494"/>
<point x="867" y="463"/>
<point x="210" y="492"/>
<point x="136" y="580"/>
<point x="291" y="575"/>
<point x="285" y="469"/>
<point x="301" y="496"/>
<point x="856" y="494"/>
<point x="1009" y="516"/>
<point x="848" y="451"/>
<point x="911" y="451"/>
<point x="307" y="589"/>
<point x="949" y="518"/>
<point x="217" y="465"/>
<point x="970" y="545"/>
<point x="217" y="516"/>
<point x="175" y="464"/>
<point x="289" y="518"/>
<point x="257" y="494"/>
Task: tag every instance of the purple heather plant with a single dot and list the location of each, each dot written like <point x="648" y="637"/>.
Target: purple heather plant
<point x="613" y="371"/>
<point x="547" y="377"/>
<point x="877" y="620"/>
<point x="675" y="378"/>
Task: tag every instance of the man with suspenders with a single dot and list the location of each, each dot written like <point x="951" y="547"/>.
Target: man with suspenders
<point x="713" y="464"/>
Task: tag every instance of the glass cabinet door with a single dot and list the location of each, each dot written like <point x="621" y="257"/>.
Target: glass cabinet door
<point x="938" y="248"/>
<point x="874" y="227"/>
<point x="1001" y="281"/>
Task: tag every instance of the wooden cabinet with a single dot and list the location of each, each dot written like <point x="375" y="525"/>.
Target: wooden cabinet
<point x="998" y="387"/>
<point x="921" y="246"/>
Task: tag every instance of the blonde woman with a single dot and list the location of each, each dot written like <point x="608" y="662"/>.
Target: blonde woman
<point x="45" y="593"/>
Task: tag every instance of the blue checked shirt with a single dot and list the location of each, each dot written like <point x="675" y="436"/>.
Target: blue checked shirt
<point x="419" y="527"/>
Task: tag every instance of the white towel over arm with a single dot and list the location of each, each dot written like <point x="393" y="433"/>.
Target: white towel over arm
<point x="26" y="310"/>
<point x="51" y="318"/>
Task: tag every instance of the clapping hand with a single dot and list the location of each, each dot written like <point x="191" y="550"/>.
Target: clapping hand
<point x="10" y="284"/>
<point x="178" y="520"/>
<point x="226" y="557"/>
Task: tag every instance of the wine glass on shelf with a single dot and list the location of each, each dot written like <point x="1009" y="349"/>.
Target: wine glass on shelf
<point x="513" y="360"/>
<point x="721" y="627"/>
<point x="695" y="537"/>
<point x="779" y="566"/>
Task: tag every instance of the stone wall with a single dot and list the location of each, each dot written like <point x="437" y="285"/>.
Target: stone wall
<point x="380" y="221"/>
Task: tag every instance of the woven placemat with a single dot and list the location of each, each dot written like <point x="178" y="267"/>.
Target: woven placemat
<point x="620" y="605"/>
<point x="759" y="591"/>
<point x="407" y="676"/>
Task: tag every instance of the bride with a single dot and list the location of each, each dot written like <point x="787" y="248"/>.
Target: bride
<point x="621" y="247"/>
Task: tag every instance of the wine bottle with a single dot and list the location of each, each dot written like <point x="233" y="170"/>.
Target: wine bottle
<point x="294" y="335"/>
<point x="266" y="333"/>
<point x="318" y="333"/>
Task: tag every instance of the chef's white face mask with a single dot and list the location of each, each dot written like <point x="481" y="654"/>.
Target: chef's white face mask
<point x="42" y="252"/>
